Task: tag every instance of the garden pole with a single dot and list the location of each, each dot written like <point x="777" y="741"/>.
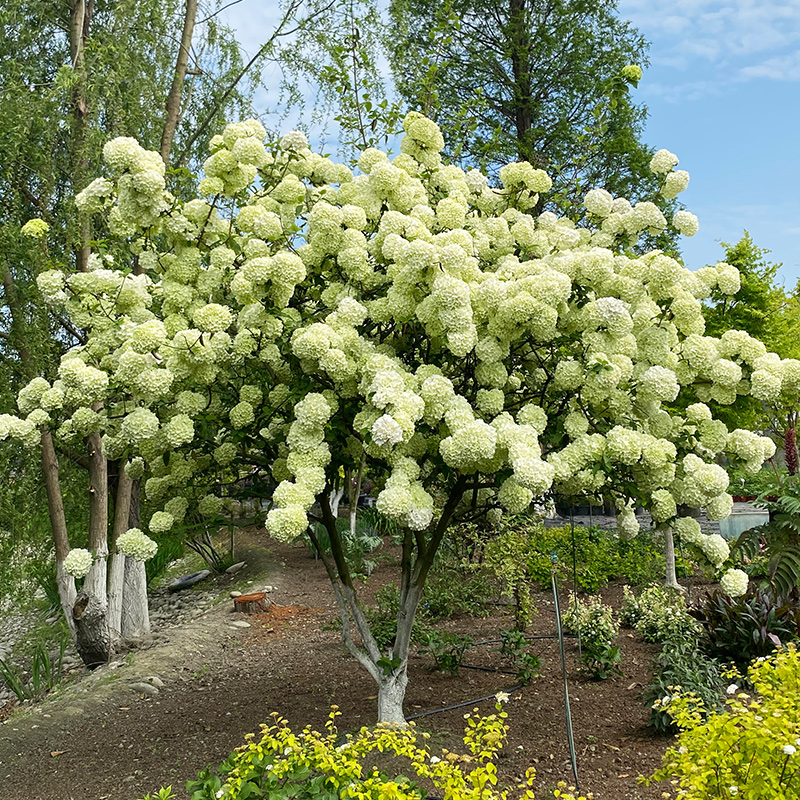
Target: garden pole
<point x="575" y="573"/>
<point x="567" y="712"/>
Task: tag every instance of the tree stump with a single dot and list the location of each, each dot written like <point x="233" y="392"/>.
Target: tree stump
<point x="251" y="603"/>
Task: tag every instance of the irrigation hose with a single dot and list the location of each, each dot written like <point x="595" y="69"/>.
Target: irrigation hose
<point x="567" y="711"/>
<point x="461" y="705"/>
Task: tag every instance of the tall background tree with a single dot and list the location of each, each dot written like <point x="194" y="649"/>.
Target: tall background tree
<point x="527" y="80"/>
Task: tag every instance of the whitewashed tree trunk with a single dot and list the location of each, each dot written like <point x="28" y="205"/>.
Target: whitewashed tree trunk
<point x="116" y="578"/>
<point x="66" y="594"/>
<point x="335" y="500"/>
<point x="135" y="613"/>
<point x="391" y="693"/>
<point x="669" y="553"/>
<point x="90" y="610"/>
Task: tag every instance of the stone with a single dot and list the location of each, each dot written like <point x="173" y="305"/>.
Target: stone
<point x="234" y="568"/>
<point x="144" y="688"/>
<point x="235" y="594"/>
<point x="155" y="681"/>
<point x="240" y="623"/>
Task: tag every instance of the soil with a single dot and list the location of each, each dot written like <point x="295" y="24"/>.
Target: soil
<point x="100" y="739"/>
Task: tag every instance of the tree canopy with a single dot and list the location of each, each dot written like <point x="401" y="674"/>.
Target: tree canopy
<point x="533" y="80"/>
<point x="296" y="322"/>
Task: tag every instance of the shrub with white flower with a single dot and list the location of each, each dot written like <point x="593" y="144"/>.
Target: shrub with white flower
<point x="298" y="324"/>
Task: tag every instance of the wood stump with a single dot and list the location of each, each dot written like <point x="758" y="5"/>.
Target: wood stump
<point x="251" y="603"/>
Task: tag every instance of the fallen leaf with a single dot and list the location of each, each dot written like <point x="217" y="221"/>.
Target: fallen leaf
<point x="373" y="697"/>
<point x="54" y="753"/>
<point x="124" y="708"/>
<point x="624" y="775"/>
<point x="610" y="746"/>
<point x="632" y="686"/>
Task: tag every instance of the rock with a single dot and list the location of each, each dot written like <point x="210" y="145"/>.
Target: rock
<point x="240" y="623"/>
<point x="269" y="589"/>
<point x="52" y="620"/>
<point x="234" y="568"/>
<point x="155" y="681"/>
<point x="235" y="594"/>
<point x="144" y="688"/>
<point x="187" y="581"/>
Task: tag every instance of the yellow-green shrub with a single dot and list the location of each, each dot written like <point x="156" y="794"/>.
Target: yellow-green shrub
<point x="313" y="766"/>
<point x="751" y="750"/>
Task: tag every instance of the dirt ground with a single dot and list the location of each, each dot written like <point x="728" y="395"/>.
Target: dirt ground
<point x="99" y="739"/>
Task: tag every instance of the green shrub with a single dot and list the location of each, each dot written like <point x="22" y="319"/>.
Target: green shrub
<point x="170" y="548"/>
<point x="313" y="766"/>
<point x="682" y="664"/>
<point x="45" y="673"/>
<point x="658" y="614"/>
<point x="446" y="649"/>
<point x="513" y="647"/>
<point x="457" y="589"/>
<point x="739" y="629"/>
<point x="356" y="546"/>
<point x="748" y="751"/>
<point x="594" y="623"/>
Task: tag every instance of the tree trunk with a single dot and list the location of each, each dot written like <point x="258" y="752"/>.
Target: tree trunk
<point x="58" y="527"/>
<point x="93" y="640"/>
<point x="391" y="693"/>
<point x="66" y="594"/>
<point x="790" y="451"/>
<point x="173" y="110"/>
<point x="135" y="613"/>
<point x="335" y="499"/>
<point x="669" y="553"/>
<point x="90" y="611"/>
<point x="116" y="580"/>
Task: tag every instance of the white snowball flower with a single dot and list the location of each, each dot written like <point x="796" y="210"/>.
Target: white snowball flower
<point x="686" y="223"/>
<point x="78" y="562"/>
<point x="386" y="431"/>
<point x="663" y="162"/>
<point x="734" y="582"/>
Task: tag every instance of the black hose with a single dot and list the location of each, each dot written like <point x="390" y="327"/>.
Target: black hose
<point x="489" y="669"/>
<point x="460" y="705"/>
<point x="528" y="638"/>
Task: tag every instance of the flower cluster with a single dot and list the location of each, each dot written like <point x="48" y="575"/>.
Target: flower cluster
<point x="137" y="545"/>
<point x="78" y="562"/>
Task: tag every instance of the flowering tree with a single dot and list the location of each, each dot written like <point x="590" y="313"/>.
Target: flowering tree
<point x="297" y="322"/>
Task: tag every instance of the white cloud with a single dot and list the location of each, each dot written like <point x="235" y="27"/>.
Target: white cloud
<point x="714" y="30"/>
<point x="780" y="68"/>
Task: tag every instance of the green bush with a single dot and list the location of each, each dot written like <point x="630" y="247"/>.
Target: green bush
<point x="45" y="673"/>
<point x="447" y="650"/>
<point x="658" y="614"/>
<point x="382" y="618"/>
<point x="170" y="548"/>
<point x="739" y="629"/>
<point x="457" y="589"/>
<point x="356" y="546"/>
<point x="513" y="647"/>
<point x="682" y="664"/>
<point x="594" y="623"/>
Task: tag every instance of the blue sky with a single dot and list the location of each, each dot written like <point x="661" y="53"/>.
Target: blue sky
<point x="723" y="94"/>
